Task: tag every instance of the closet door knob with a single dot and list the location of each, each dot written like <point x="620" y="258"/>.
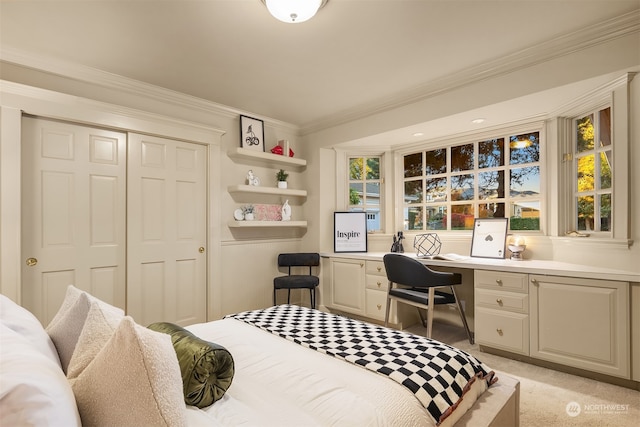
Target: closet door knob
<point x="31" y="262"/>
<point x="201" y="249"/>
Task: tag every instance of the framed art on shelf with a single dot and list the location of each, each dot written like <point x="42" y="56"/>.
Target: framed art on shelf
<point x="489" y="237"/>
<point x="251" y="133"/>
<point x="350" y="232"/>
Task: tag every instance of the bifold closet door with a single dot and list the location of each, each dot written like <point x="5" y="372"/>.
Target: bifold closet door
<point x="167" y="223"/>
<point x="73" y="213"/>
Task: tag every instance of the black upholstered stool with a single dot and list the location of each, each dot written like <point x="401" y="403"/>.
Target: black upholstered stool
<point x="297" y="281"/>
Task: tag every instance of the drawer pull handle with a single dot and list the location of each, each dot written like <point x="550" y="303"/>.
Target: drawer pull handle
<point x="499" y="282"/>
<point x="499" y="301"/>
<point x="361" y="265"/>
<point x="379" y="284"/>
<point x="499" y="331"/>
<point x="379" y="269"/>
<point x="379" y="306"/>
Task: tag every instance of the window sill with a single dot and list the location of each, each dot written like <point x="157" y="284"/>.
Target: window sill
<point x="593" y="241"/>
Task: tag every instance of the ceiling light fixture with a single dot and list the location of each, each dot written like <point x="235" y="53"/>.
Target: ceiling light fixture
<point x="294" y="11"/>
<point x="477" y="121"/>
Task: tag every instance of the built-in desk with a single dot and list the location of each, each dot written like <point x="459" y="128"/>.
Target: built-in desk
<point x="573" y="315"/>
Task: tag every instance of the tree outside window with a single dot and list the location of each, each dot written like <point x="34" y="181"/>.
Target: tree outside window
<point x="447" y="188"/>
<point x="593" y="154"/>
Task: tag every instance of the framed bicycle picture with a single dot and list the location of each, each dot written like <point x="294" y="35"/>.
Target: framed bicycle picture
<point x="251" y="133"/>
<point x="489" y="237"/>
<point x="350" y="232"/>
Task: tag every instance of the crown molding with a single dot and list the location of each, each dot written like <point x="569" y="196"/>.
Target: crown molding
<point x="602" y="32"/>
<point x="112" y="81"/>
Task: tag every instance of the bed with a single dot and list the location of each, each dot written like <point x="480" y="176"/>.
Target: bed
<point x="281" y="376"/>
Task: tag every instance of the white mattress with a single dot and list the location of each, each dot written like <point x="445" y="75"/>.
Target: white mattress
<point x="280" y="383"/>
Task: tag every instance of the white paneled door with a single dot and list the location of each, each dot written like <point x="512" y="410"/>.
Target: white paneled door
<point x="73" y="214"/>
<point x="166" y="239"/>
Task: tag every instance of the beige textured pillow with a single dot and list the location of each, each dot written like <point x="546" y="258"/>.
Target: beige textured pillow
<point x="98" y="328"/>
<point x="134" y="380"/>
<point x="65" y="331"/>
<point x="66" y="326"/>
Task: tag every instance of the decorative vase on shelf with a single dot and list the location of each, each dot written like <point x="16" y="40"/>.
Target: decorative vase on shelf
<point x="248" y="217"/>
<point x="282" y="184"/>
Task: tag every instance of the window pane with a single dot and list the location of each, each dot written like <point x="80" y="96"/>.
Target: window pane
<point x="524" y="215"/>
<point x="491" y="185"/>
<point x="491" y="210"/>
<point x="524" y="148"/>
<point x="605" y="212"/>
<point x="355" y="193"/>
<point x="605" y="169"/>
<point x="462" y="187"/>
<point x="525" y="182"/>
<point x="436" y="217"/>
<point x="413" y="218"/>
<point x="491" y="153"/>
<point x="586" y="169"/>
<point x="584" y="133"/>
<point x="436" y="190"/>
<point x="373" y="168"/>
<point x="356" y="167"/>
<point x="373" y="193"/>
<point x="413" y="191"/>
<point x="413" y="165"/>
<point x="462" y="158"/>
<point x="436" y="162"/>
<point x="605" y="127"/>
<point x="462" y="217"/>
<point x="585" y="213"/>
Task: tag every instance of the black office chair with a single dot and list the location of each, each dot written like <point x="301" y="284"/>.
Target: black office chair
<point x="419" y="283"/>
<point x="297" y="281"/>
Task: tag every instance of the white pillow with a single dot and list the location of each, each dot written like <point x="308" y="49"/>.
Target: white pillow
<point x="33" y="389"/>
<point x="67" y="324"/>
<point x="99" y="326"/>
<point x="22" y="321"/>
<point x="134" y="380"/>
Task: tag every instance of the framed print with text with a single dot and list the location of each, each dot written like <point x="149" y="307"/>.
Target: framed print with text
<point x="489" y="237"/>
<point x="350" y="232"/>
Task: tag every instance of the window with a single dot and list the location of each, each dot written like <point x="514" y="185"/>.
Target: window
<point x="593" y="159"/>
<point x="365" y="182"/>
<point x="446" y="188"/>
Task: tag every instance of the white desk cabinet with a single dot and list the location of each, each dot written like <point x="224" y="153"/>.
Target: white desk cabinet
<point x="581" y="323"/>
<point x="502" y="310"/>
<point x="347" y="284"/>
<point x="358" y="286"/>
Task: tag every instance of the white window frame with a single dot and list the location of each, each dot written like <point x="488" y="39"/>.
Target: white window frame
<point x="342" y="183"/>
<point x="615" y="95"/>
<point x="528" y="127"/>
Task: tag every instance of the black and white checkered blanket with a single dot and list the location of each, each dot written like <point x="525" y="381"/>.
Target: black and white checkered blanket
<point x="436" y="373"/>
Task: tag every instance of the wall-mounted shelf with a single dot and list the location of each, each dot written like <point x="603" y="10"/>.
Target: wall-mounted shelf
<point x="257" y="194"/>
<point x="261" y="158"/>
<point x="258" y="224"/>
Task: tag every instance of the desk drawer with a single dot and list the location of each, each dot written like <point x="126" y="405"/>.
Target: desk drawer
<point x="516" y="282"/>
<point x="376" y="267"/>
<point x="376" y="304"/>
<point x="378" y="283"/>
<point x="502" y="329"/>
<point x="501" y="300"/>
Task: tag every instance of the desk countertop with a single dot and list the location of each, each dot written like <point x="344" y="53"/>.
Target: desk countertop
<point x="525" y="266"/>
